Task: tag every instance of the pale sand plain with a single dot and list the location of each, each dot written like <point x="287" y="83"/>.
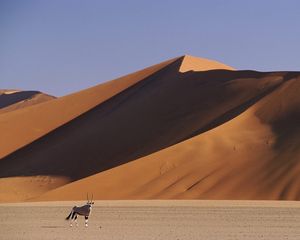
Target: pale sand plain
<point x="155" y="219"/>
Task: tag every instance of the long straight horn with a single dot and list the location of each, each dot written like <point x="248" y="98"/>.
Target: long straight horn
<point x="87" y="196"/>
<point x="92" y="197"/>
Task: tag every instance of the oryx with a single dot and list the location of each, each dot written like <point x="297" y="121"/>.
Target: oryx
<point x="84" y="210"/>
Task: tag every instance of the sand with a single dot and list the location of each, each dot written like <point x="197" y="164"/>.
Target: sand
<point x="11" y="100"/>
<point x="191" y="63"/>
<point x="187" y="128"/>
<point x="155" y="220"/>
<point x="19" y="128"/>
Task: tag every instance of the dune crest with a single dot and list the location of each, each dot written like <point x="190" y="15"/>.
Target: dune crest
<point x="191" y="63"/>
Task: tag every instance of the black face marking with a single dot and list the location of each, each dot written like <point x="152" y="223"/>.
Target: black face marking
<point x="86" y="217"/>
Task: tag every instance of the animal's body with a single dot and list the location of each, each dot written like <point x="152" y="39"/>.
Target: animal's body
<point x="84" y="210"/>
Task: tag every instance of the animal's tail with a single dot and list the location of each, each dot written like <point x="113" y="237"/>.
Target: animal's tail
<point x="68" y="217"/>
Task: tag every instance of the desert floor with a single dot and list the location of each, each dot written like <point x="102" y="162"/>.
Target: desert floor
<point x="154" y="220"/>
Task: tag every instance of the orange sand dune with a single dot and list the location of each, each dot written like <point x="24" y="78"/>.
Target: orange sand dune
<point x="11" y="100"/>
<point x="254" y="156"/>
<point x="19" y="128"/>
<point x="177" y="133"/>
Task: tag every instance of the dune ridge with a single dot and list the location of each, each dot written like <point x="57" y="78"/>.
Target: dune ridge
<point x="181" y="131"/>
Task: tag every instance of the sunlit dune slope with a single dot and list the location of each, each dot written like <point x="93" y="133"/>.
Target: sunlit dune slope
<point x="191" y="63"/>
<point x="19" y="128"/>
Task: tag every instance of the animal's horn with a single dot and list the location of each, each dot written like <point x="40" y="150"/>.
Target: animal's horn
<point x="92" y="196"/>
<point x="87" y="196"/>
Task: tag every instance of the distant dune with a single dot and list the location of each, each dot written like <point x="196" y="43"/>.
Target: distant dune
<point x="11" y="100"/>
<point x="187" y="128"/>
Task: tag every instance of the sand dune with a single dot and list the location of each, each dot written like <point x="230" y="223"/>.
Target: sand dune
<point x="11" y="100"/>
<point x="185" y="129"/>
<point x="237" y="160"/>
<point x="30" y="124"/>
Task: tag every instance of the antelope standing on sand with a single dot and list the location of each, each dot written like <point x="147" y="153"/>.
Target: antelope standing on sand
<point x="84" y="210"/>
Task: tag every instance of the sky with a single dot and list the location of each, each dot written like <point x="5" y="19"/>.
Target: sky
<point x="63" y="46"/>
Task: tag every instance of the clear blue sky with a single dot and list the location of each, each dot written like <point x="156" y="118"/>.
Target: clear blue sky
<point x="62" y="46"/>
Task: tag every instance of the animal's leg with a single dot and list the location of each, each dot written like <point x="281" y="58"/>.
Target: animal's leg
<point x="76" y="220"/>
<point x="72" y="218"/>
<point x="68" y="217"/>
<point x="71" y="215"/>
<point x="86" y="220"/>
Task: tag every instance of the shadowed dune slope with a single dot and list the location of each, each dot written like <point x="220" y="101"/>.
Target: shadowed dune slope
<point x="19" y="128"/>
<point x="11" y="100"/>
<point x="256" y="155"/>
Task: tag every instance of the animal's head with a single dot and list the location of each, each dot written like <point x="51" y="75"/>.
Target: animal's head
<point x="89" y="202"/>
